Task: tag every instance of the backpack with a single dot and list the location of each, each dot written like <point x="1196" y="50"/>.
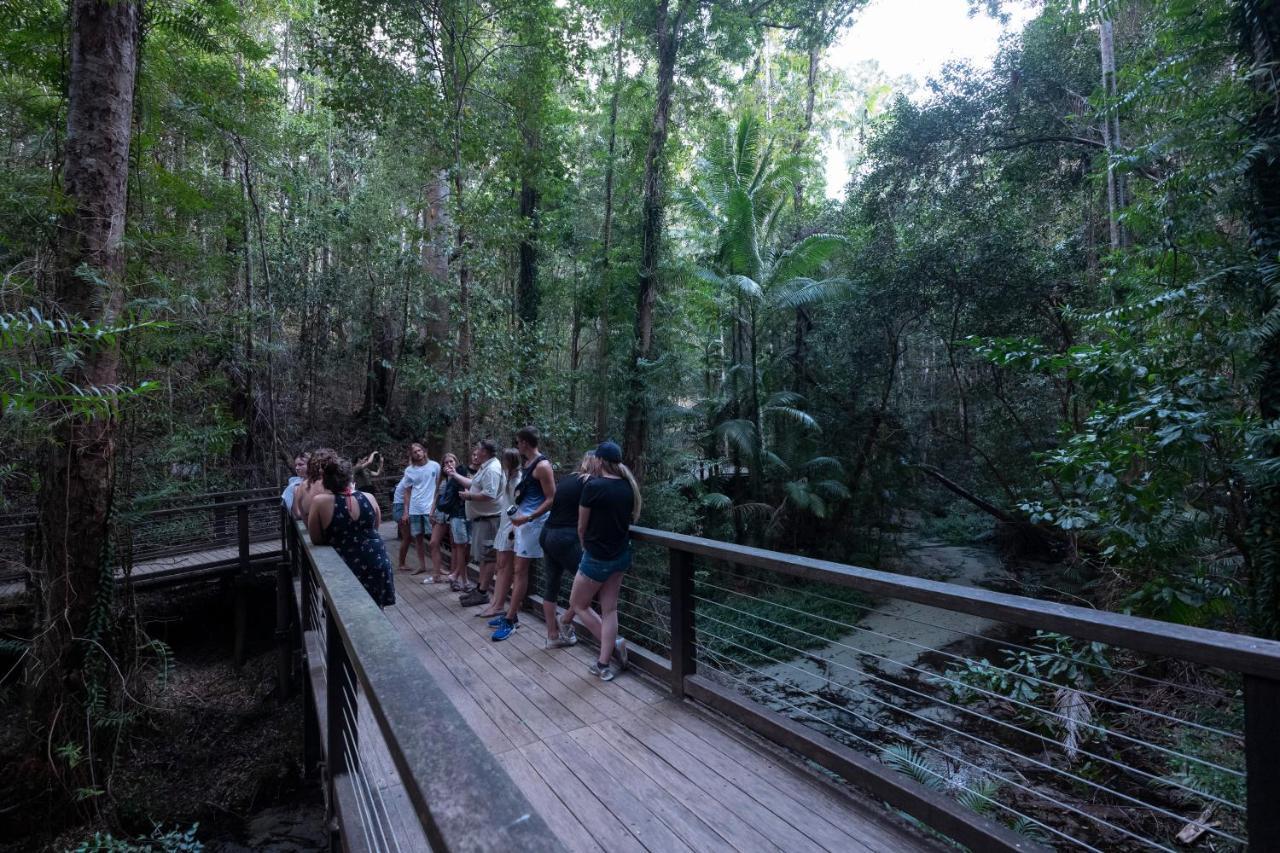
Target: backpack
<point x="526" y="477"/>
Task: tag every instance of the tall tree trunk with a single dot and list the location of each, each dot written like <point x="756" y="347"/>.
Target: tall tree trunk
<point x="1259" y="27"/>
<point x="437" y="237"/>
<point x="77" y="478"/>
<point x="803" y="320"/>
<point x="606" y="245"/>
<point x="636" y="432"/>
<point x="863" y="459"/>
<point x="527" y="271"/>
<point x="1111" y="131"/>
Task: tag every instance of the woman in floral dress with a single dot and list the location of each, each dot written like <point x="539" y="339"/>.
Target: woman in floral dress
<point x="348" y="520"/>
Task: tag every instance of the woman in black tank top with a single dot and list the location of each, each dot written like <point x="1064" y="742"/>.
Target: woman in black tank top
<point x="609" y="504"/>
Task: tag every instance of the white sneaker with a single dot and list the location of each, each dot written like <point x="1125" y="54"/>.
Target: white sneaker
<point x="567" y="638"/>
<point x="604" y="673"/>
<point x="620" y="653"/>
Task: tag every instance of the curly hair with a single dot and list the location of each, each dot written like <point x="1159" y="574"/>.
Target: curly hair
<point x="320" y="457"/>
<point x="336" y="474"/>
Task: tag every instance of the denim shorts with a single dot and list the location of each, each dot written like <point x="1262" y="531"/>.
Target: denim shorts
<point x="397" y="512"/>
<point x="419" y="525"/>
<point x="601" y="570"/>
<point x="460" y="531"/>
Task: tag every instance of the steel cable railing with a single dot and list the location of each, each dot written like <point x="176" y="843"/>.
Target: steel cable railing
<point x="916" y="741"/>
<point x="985" y="717"/>
<point x="1083" y="728"/>
<point x="974" y="688"/>
<point x="770" y="698"/>
<point x="986" y="744"/>
<point x="866" y="608"/>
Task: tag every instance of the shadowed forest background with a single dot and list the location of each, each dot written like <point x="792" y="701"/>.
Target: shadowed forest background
<point x="1046" y="304"/>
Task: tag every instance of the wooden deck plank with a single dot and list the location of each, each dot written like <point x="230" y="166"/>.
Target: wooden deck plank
<point x="557" y="815"/>
<point x="738" y="832"/>
<point x="608" y="831"/>
<point x="714" y="785"/>
<point x="480" y="722"/>
<point x="544" y="715"/>
<point x="554" y="699"/>
<point x="512" y="721"/>
<point x="678" y="815"/>
<point x="836" y="804"/>
<point x="634" y="813"/>
<point x="748" y="772"/>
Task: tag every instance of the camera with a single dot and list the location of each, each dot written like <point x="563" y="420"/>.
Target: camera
<point x="512" y="510"/>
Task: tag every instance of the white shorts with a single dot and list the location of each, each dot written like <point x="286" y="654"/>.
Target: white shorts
<point x="503" y="540"/>
<point x="528" y="536"/>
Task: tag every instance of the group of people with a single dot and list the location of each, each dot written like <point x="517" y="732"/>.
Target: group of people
<point x="504" y="510"/>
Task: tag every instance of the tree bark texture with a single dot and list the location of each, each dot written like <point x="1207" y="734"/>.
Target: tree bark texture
<point x="636" y="433"/>
<point x="76" y="491"/>
<point x="606" y="245"/>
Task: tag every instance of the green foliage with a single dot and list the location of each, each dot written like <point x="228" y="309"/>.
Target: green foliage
<point x="1029" y="676"/>
<point x="160" y="840"/>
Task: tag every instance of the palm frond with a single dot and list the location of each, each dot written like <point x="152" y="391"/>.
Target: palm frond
<point x="717" y="501"/>
<point x="795" y="415"/>
<point x="738" y="433"/>
<point x="807" y="256"/>
<point x="906" y="760"/>
<point x="801" y="292"/>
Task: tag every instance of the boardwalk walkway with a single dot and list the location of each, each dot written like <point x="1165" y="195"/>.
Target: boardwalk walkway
<point x="621" y="766"/>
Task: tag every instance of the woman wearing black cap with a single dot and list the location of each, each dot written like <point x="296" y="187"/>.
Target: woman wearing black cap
<point x="610" y="503"/>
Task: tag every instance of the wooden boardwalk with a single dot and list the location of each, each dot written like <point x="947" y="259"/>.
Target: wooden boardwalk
<point x="620" y="766"/>
<point x="145" y="571"/>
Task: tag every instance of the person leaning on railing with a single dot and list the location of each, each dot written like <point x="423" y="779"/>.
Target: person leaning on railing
<point x="299" y="477"/>
<point x="610" y="504"/>
<point x="348" y="520"/>
<point x="562" y="550"/>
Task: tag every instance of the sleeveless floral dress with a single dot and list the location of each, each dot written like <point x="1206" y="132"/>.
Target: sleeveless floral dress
<point x="359" y="544"/>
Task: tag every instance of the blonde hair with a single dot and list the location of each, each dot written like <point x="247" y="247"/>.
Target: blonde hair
<point x="585" y="466"/>
<point x="618" y="469"/>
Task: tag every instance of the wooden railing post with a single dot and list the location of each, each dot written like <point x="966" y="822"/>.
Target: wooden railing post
<point x="1262" y="760"/>
<point x="242" y="583"/>
<point x="682" y="631"/>
<point x="242" y="536"/>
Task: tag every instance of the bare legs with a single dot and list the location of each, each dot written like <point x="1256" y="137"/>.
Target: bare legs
<point x="549" y="619"/>
<point x="437" y="537"/>
<point x="458" y="559"/>
<point x="604" y="625"/>
<point x="420" y="545"/>
<point x="403" y="528"/>
<point x="502" y="585"/>
<point x="519" y="587"/>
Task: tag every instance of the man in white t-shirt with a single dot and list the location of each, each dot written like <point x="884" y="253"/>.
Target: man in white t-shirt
<point x="299" y="476"/>
<point x="421" y="479"/>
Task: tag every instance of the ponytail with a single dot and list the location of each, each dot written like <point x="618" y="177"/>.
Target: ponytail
<point x="624" y="472"/>
<point x="635" y="492"/>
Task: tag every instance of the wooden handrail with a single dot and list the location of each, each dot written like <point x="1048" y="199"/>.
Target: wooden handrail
<point x="1232" y="652"/>
<point x="462" y="796"/>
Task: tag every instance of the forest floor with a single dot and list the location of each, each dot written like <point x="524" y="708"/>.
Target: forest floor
<point x="214" y="748"/>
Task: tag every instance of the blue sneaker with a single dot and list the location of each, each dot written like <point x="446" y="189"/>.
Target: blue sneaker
<point x="506" y="629"/>
<point x="496" y="622"/>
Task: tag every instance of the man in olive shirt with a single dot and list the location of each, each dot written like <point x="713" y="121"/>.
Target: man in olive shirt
<point x="481" y="495"/>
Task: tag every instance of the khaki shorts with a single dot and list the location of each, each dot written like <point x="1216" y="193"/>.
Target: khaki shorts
<point x="483" y="531"/>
